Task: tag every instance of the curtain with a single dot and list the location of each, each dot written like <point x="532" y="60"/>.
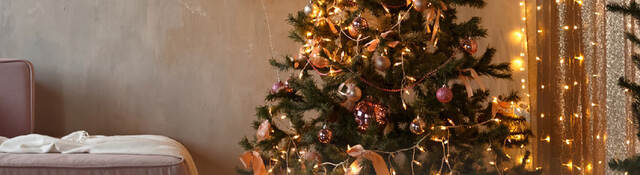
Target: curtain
<point x="580" y="116"/>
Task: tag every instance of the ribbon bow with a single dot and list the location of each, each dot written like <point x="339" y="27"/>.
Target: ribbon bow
<point x="252" y="159"/>
<point x="498" y="106"/>
<point x="377" y="160"/>
<point x="465" y="80"/>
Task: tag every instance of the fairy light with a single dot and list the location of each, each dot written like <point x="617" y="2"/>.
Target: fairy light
<point x="517" y="64"/>
<point x="568" y="165"/>
<point x="547" y="139"/>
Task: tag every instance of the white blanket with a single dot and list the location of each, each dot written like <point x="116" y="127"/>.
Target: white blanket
<point x="82" y="142"/>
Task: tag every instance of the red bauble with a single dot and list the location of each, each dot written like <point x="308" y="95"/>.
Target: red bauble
<point x="469" y="45"/>
<point x="444" y="94"/>
<point x="367" y="110"/>
<point x="325" y="135"/>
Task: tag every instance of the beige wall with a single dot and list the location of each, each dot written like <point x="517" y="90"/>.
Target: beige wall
<point x="193" y="70"/>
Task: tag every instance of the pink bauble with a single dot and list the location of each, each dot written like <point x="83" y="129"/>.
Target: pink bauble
<point x="444" y="94"/>
<point x="276" y="87"/>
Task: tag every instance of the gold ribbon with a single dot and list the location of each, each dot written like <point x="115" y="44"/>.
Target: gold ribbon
<point x="433" y="16"/>
<point x="465" y="80"/>
<point x="378" y="162"/>
<point x="252" y="159"/>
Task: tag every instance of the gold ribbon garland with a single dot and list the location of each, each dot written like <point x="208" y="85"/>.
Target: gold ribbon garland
<point x="465" y="80"/>
<point x="378" y="162"/>
<point x="432" y="16"/>
<point x="252" y="160"/>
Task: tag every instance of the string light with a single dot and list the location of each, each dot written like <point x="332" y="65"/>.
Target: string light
<point x="547" y="139"/>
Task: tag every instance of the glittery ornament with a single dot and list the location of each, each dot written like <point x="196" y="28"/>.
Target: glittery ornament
<point x="444" y="94"/>
<point x="417" y="126"/>
<point x="470" y="46"/>
<point x="419" y="5"/>
<point x="381" y="62"/>
<point x="325" y="135"/>
<point x="336" y="15"/>
<point x="308" y="9"/>
<point x="277" y="86"/>
<point x="359" y="23"/>
<point x="367" y="110"/>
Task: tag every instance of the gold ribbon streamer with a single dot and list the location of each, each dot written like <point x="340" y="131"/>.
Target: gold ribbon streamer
<point x="465" y="80"/>
<point x="378" y="162"/>
<point x="433" y="16"/>
<point x="252" y="159"/>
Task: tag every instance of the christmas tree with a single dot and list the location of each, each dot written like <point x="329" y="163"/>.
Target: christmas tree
<point x="385" y="87"/>
<point x="630" y="165"/>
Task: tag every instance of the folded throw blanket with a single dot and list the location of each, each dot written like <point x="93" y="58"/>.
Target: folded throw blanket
<point x="82" y="142"/>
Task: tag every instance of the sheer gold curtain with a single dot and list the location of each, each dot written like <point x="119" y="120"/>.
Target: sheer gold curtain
<point x="582" y="118"/>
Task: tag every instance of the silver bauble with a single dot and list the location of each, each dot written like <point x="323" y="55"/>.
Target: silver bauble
<point x="308" y="9"/>
<point x="381" y="63"/>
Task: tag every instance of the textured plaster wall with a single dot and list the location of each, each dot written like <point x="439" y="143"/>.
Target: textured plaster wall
<point x="190" y="69"/>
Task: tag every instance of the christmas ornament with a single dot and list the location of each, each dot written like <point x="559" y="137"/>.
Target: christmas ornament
<point x="470" y="46"/>
<point x="419" y="5"/>
<point x="351" y="92"/>
<point x="357" y="26"/>
<point x="381" y="62"/>
<point x="367" y="110"/>
<point x="417" y="126"/>
<point x="308" y="9"/>
<point x="325" y="135"/>
<point x="359" y="23"/>
<point x="264" y="131"/>
<point x="444" y="94"/>
<point x="317" y="60"/>
<point x="336" y="15"/>
<point x="277" y="86"/>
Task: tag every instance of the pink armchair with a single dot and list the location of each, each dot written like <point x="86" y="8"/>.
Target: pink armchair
<point x="16" y="97"/>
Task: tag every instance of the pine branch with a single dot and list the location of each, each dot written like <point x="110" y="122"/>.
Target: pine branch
<point x="630" y="165"/>
<point x="632" y="9"/>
